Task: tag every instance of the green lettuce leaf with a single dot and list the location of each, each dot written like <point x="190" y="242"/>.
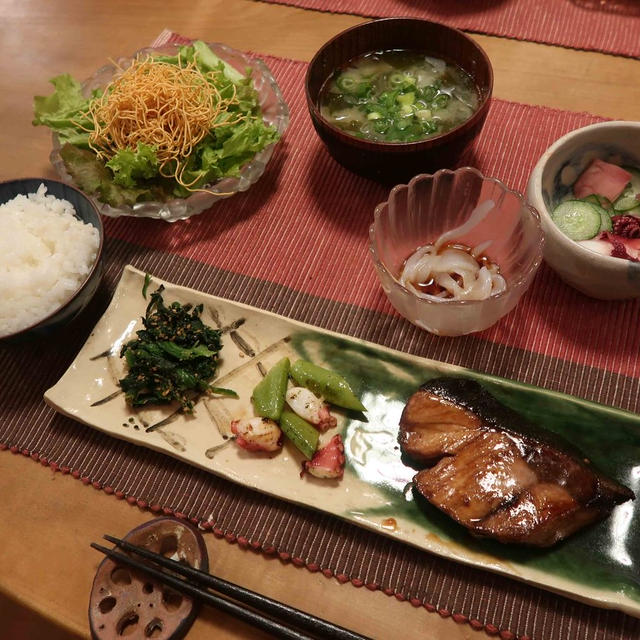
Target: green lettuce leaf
<point x="205" y="59"/>
<point x="92" y="176"/>
<point x="209" y="61"/>
<point x="63" y="111"/>
<point x="249" y="136"/>
<point x="226" y="154"/>
<point x="132" y="175"/>
<point x="129" y="167"/>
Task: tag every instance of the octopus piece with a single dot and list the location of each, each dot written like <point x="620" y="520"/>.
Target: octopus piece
<point x="309" y="407"/>
<point x="328" y="461"/>
<point x="257" y="434"/>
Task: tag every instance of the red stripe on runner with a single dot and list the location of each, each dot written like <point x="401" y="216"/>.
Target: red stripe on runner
<point x="610" y="26"/>
<point x="305" y="225"/>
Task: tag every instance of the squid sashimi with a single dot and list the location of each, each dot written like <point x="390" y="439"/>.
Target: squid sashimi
<point x="448" y="270"/>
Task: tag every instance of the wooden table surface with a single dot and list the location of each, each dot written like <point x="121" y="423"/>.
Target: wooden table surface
<point x="46" y="564"/>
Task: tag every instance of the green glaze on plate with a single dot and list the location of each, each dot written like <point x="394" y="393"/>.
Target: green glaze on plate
<point x="604" y="556"/>
<point x="598" y="565"/>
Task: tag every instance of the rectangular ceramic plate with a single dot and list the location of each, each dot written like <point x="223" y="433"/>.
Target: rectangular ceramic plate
<point x="599" y="565"/>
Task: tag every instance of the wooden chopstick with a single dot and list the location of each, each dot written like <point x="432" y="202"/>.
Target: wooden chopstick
<point x="198" y="579"/>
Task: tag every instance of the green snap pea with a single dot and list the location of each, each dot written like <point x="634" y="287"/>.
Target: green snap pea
<point x="268" y="396"/>
<point x="303" y="435"/>
<point x="328" y="384"/>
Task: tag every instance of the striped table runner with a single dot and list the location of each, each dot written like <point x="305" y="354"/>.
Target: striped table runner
<point x="296" y="244"/>
<point x="609" y="26"/>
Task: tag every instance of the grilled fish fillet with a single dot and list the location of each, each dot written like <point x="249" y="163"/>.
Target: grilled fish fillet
<point x="496" y="473"/>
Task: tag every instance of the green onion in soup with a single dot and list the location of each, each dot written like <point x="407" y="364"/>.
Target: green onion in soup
<point x="398" y="96"/>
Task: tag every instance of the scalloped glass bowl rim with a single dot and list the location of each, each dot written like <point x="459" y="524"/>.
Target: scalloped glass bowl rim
<point x="182" y="208"/>
<point x="522" y="280"/>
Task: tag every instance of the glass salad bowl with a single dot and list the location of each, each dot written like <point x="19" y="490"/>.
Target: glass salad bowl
<point x="274" y="112"/>
<point x="488" y="218"/>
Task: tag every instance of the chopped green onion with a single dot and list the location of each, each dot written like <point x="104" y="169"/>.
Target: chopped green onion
<point x="406" y="98"/>
<point x="145" y="286"/>
<point x="441" y="101"/>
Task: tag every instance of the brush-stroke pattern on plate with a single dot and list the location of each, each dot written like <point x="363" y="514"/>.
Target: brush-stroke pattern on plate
<point x="599" y="565"/>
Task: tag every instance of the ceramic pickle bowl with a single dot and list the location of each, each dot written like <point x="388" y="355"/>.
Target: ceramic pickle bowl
<point x="591" y="273"/>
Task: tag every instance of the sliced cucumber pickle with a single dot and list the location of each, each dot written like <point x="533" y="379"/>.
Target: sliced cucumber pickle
<point x="578" y="220"/>
<point x="633" y="212"/>
<point x="635" y="178"/>
<point x="629" y="198"/>
<point x="601" y="201"/>
<point x="605" y="218"/>
<point x="626" y="201"/>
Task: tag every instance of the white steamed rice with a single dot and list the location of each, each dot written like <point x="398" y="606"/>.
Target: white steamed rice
<point x="45" y="254"/>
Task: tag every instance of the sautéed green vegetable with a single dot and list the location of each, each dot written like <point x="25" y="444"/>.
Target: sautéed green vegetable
<point x="398" y="96"/>
<point x="174" y="358"/>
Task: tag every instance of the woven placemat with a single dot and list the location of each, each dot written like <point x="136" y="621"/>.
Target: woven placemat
<point x="608" y="26"/>
<point x="296" y="244"/>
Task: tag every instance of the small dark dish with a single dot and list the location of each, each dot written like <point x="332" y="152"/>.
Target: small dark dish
<point x="393" y="162"/>
<point x="85" y="211"/>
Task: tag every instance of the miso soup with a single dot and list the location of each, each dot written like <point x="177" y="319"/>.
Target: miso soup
<point x="398" y="96"/>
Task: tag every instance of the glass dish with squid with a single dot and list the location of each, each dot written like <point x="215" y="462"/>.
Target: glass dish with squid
<point x="455" y="250"/>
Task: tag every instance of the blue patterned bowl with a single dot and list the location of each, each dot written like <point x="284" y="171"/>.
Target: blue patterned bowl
<point x="596" y="275"/>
